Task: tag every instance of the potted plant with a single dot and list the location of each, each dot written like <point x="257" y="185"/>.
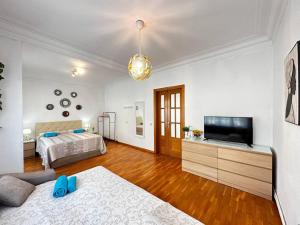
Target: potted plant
<point x="197" y="133"/>
<point x="186" y="130"/>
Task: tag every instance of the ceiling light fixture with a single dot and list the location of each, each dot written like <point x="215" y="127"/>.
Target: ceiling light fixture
<point x="75" y="73"/>
<point x="139" y="66"/>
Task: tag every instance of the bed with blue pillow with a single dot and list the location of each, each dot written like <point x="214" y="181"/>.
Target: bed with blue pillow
<point x="101" y="197"/>
<point x="65" y="142"/>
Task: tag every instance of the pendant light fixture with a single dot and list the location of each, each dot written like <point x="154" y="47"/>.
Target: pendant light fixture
<point x="139" y="66"/>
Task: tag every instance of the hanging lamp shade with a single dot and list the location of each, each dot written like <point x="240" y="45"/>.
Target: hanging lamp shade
<point x="139" y="66"/>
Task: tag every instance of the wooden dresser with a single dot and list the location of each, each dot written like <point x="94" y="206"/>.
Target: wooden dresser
<point x="235" y="165"/>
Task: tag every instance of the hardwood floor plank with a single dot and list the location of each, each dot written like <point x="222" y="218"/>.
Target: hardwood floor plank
<point x="205" y="200"/>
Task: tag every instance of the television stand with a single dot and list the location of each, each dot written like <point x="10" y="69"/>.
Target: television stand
<point x="248" y="168"/>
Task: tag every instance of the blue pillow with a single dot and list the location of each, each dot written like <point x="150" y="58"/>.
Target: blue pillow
<point x="77" y="131"/>
<point x="50" y="134"/>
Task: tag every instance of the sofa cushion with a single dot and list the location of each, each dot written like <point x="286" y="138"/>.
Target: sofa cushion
<point x="35" y="178"/>
<point x="13" y="191"/>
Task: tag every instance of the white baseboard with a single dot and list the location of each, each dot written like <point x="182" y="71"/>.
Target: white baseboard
<point x="281" y="214"/>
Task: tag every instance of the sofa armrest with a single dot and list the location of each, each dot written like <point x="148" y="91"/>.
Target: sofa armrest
<point x="35" y="178"/>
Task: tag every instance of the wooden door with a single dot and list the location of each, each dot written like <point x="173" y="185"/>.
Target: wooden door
<point x="162" y="129"/>
<point x="169" y="121"/>
<point x="175" y="116"/>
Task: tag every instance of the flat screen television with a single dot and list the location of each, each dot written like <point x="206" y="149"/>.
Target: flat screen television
<point x="233" y="129"/>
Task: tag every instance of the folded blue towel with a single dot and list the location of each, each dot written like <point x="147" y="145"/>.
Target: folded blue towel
<point x="60" y="187"/>
<point x="77" y="131"/>
<point x="50" y="134"/>
<point x="72" y="184"/>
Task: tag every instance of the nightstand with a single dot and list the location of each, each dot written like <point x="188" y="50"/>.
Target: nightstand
<point x="29" y="148"/>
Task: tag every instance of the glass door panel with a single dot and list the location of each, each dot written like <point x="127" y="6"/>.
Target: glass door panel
<point x="162" y="129"/>
<point x="175" y="112"/>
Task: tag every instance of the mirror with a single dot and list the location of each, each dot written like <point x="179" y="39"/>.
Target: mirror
<point x="139" y="119"/>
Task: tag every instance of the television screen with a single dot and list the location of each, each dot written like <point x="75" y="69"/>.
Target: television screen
<point x="233" y="129"/>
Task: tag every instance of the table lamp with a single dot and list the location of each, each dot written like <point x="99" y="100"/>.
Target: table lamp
<point x="27" y="134"/>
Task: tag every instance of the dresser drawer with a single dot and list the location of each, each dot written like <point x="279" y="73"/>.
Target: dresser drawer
<point x="258" y="173"/>
<point x="200" y="170"/>
<point x="255" y="159"/>
<point x="200" y="149"/>
<point x="245" y="183"/>
<point x="198" y="158"/>
<point x="29" y="145"/>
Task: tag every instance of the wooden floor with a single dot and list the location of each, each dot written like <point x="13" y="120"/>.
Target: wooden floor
<point x="205" y="200"/>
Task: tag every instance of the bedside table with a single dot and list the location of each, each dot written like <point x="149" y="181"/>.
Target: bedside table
<point x="29" y="148"/>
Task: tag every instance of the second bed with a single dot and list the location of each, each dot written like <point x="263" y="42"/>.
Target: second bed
<point x="67" y="147"/>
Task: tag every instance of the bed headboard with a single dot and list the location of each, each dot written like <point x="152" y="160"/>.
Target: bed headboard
<point x="57" y="126"/>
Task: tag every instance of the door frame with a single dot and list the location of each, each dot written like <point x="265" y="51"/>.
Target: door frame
<point x="182" y="121"/>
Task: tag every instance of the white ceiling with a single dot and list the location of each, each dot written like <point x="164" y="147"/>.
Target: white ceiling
<point x="44" y="64"/>
<point x="175" y="29"/>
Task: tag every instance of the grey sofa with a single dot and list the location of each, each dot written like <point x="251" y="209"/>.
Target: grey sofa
<point x="35" y="178"/>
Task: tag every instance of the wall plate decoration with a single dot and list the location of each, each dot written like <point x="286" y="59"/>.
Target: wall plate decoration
<point x="65" y="113"/>
<point x="1" y="70"/>
<point x="57" y="92"/>
<point x="65" y="103"/>
<point x="1" y="78"/>
<point x="292" y="85"/>
<point x="78" y="107"/>
<point x="73" y="94"/>
<point x="50" y="106"/>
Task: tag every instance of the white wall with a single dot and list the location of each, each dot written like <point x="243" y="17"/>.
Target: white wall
<point x="234" y="84"/>
<point x="11" y="145"/>
<point x="286" y="136"/>
<point x="37" y="93"/>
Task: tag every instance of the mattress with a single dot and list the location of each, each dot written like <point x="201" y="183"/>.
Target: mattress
<point x="102" y="197"/>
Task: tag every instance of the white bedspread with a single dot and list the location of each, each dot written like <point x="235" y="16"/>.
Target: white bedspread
<point x="67" y="144"/>
<point x="101" y="198"/>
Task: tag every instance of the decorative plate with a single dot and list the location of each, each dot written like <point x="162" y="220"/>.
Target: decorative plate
<point x="73" y="94"/>
<point x="65" y="113"/>
<point x="65" y="103"/>
<point x="57" y="92"/>
<point x="78" y="107"/>
<point x="50" y="106"/>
